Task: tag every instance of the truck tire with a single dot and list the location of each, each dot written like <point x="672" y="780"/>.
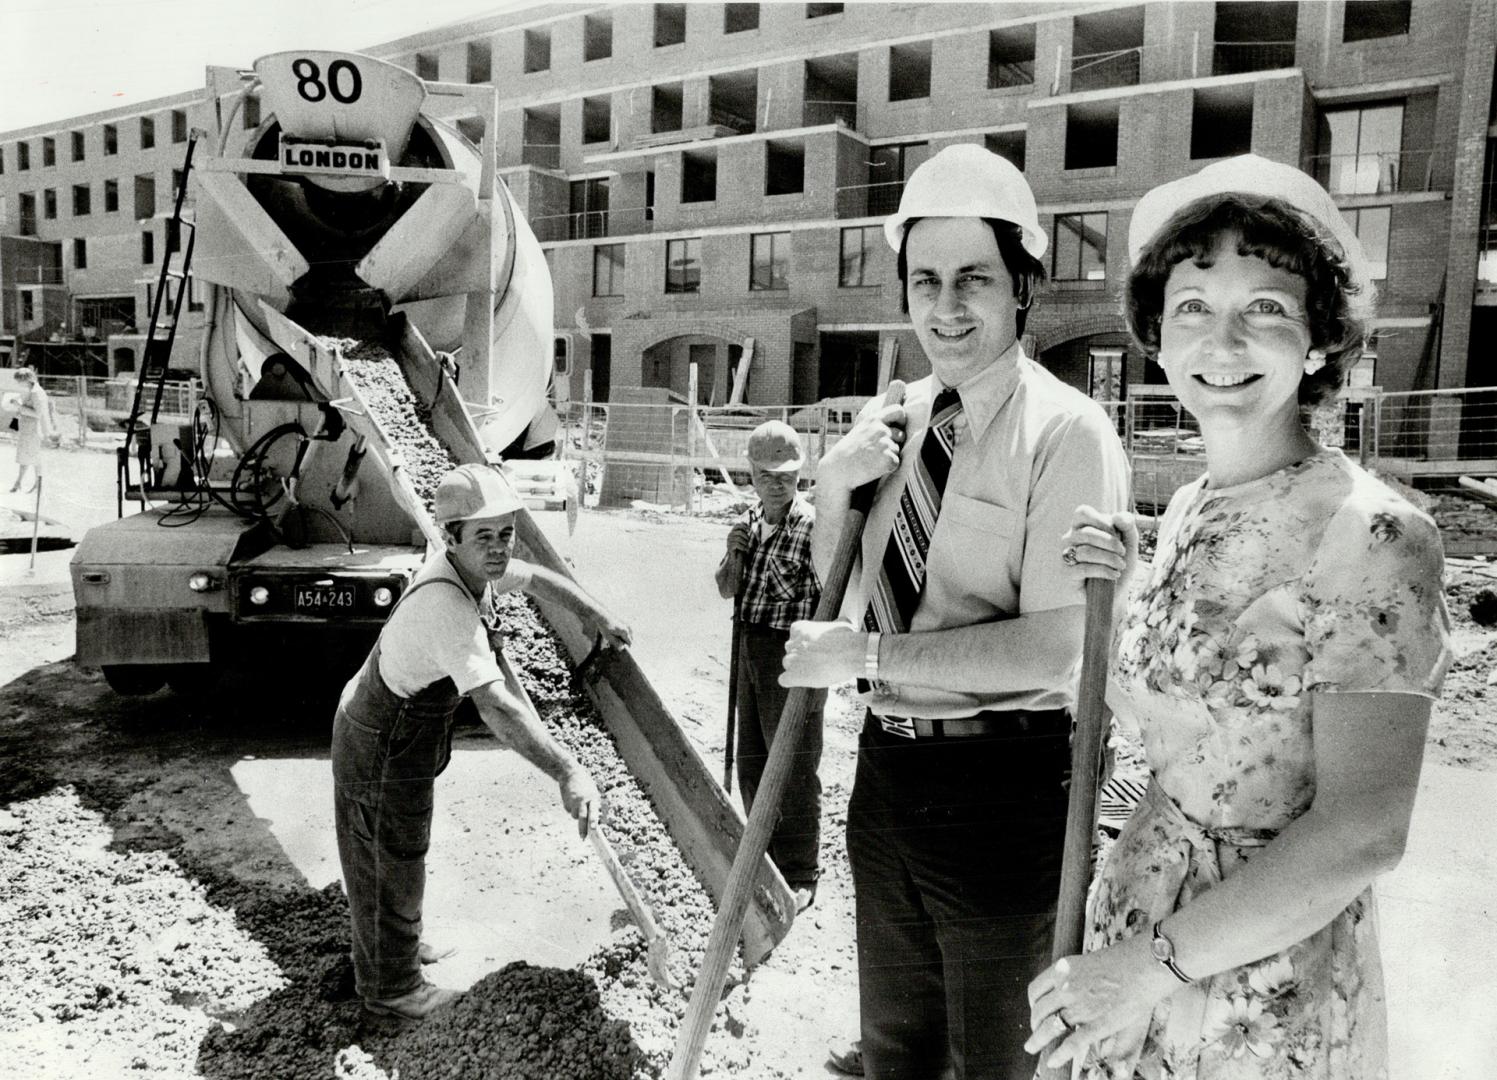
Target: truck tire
<point x="134" y="679"/>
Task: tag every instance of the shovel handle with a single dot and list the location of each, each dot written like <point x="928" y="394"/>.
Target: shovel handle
<point x="729" y="747"/>
<point x="1086" y="770"/>
<point x="638" y="909"/>
<point x="738" y="890"/>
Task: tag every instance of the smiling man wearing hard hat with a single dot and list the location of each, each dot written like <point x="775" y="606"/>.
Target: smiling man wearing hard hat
<point x="392" y="734"/>
<point x="964" y="634"/>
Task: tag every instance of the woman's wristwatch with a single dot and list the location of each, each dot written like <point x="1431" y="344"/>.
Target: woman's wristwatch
<point x="1164" y="951"/>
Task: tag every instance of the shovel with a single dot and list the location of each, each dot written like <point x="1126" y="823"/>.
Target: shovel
<point x="657" y="948"/>
<point x="737" y="892"/>
<point x="1086" y="766"/>
<point x="733" y="651"/>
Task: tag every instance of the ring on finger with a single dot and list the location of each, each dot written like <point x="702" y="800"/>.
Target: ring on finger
<point x="1068" y="556"/>
<point x="1065" y="1025"/>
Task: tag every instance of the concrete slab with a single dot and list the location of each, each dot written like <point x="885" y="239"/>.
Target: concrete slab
<point x="507" y="877"/>
<point x="1439" y="932"/>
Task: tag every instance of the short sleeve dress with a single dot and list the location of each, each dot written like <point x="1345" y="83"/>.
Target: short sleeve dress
<point x="1315" y="578"/>
<point x="34" y="426"/>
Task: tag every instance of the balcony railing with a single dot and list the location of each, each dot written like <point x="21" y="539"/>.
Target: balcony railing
<point x="1373" y="173"/>
<point x="1240" y="57"/>
<point x="38" y="275"/>
<point x="1006" y="73"/>
<point x="830" y="112"/>
<point x="592" y="224"/>
<point x="587" y="225"/>
<point x="869" y="200"/>
<point x="1103" y="71"/>
<point x="738" y="124"/>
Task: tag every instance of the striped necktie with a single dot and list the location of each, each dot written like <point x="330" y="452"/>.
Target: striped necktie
<point x="901" y="576"/>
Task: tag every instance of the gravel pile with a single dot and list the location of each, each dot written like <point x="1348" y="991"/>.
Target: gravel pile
<point x="681" y="906"/>
<point x="112" y="960"/>
<point x="1462" y="518"/>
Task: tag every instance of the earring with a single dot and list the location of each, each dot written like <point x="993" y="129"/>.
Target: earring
<point x="1314" y="361"/>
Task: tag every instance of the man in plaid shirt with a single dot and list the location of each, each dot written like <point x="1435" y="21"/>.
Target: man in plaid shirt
<point x="768" y="565"/>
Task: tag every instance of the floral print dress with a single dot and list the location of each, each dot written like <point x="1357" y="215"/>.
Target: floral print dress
<point x="1315" y="578"/>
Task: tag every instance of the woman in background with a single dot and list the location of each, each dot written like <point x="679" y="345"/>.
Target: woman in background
<point x="1280" y="662"/>
<point x="33" y="424"/>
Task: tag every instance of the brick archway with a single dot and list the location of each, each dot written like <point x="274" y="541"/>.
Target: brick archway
<point x="712" y="330"/>
<point x="1047" y="336"/>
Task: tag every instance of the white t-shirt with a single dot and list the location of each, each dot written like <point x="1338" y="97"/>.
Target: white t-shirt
<point x="438" y="633"/>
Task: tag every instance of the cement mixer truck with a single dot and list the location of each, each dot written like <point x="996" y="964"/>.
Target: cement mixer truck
<point x="377" y="309"/>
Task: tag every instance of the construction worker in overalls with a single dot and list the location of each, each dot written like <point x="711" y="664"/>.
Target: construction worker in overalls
<point x="392" y="734"/>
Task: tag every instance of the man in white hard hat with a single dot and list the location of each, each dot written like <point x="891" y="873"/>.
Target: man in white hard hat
<point x="392" y="734"/>
<point x="767" y="570"/>
<point x="963" y="632"/>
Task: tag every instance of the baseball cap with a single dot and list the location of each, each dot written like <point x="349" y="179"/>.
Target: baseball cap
<point x="474" y="491"/>
<point x="775" y="447"/>
<point x="1247" y="174"/>
<point x="967" y="180"/>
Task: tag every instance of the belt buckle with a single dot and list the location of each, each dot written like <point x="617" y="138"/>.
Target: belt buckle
<point x="903" y="726"/>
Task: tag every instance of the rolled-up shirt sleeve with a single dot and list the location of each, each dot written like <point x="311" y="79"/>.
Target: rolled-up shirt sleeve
<point x="1082" y="464"/>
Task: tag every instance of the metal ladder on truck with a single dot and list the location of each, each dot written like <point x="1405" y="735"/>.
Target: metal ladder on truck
<point x="157" y="353"/>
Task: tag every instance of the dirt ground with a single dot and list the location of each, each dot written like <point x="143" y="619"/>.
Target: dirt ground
<point x="191" y="880"/>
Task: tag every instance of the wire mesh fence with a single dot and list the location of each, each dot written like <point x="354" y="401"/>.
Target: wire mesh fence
<point x="662" y="453"/>
<point x="81" y="405"/>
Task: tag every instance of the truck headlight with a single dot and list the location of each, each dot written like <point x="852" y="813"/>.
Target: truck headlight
<point x="200" y="582"/>
<point x="259" y="595"/>
<point x="383" y="597"/>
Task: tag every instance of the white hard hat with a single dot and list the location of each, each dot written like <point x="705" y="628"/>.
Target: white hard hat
<point x="474" y="491"/>
<point x="775" y="447"/>
<point x="1248" y="174"/>
<point x="966" y="180"/>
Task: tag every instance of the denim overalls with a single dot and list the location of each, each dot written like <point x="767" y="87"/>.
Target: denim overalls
<point x="387" y="751"/>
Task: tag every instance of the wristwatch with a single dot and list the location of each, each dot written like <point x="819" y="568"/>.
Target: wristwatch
<point x="1164" y="951"/>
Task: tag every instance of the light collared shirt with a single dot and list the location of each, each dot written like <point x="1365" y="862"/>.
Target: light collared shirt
<point x="1029" y="450"/>
<point x="440" y="633"/>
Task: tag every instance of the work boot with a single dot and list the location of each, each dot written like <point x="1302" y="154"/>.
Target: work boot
<point x="805" y="896"/>
<point x="430" y="954"/>
<point x="418" y="1004"/>
<point x="847" y="1058"/>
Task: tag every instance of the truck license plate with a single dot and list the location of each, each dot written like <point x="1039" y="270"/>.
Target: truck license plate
<point x="321" y="598"/>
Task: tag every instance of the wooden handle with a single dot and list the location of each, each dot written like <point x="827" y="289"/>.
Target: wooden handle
<point x="729" y="747"/>
<point x="643" y="917"/>
<point x="1086" y="767"/>
<point x="707" y="991"/>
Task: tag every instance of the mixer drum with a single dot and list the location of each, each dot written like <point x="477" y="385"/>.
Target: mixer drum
<point x="306" y="240"/>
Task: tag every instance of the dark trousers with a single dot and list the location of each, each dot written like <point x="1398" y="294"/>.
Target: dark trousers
<point x="795" y="845"/>
<point x="384" y="764"/>
<point x="955" y="847"/>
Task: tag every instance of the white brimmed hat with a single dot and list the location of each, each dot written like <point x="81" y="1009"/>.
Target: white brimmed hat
<point x="474" y="491"/>
<point x="966" y="180"/>
<point x="1247" y="174"/>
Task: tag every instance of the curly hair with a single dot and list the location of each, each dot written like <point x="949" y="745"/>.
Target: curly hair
<point x="1027" y="271"/>
<point x="1272" y="230"/>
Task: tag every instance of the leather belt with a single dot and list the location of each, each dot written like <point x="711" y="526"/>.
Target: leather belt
<point x="1014" y="722"/>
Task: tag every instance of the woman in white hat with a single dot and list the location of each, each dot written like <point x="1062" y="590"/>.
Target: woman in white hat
<point x="33" y="427"/>
<point x="1280" y="661"/>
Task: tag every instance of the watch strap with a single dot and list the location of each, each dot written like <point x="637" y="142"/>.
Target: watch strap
<point x="1166" y="956"/>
